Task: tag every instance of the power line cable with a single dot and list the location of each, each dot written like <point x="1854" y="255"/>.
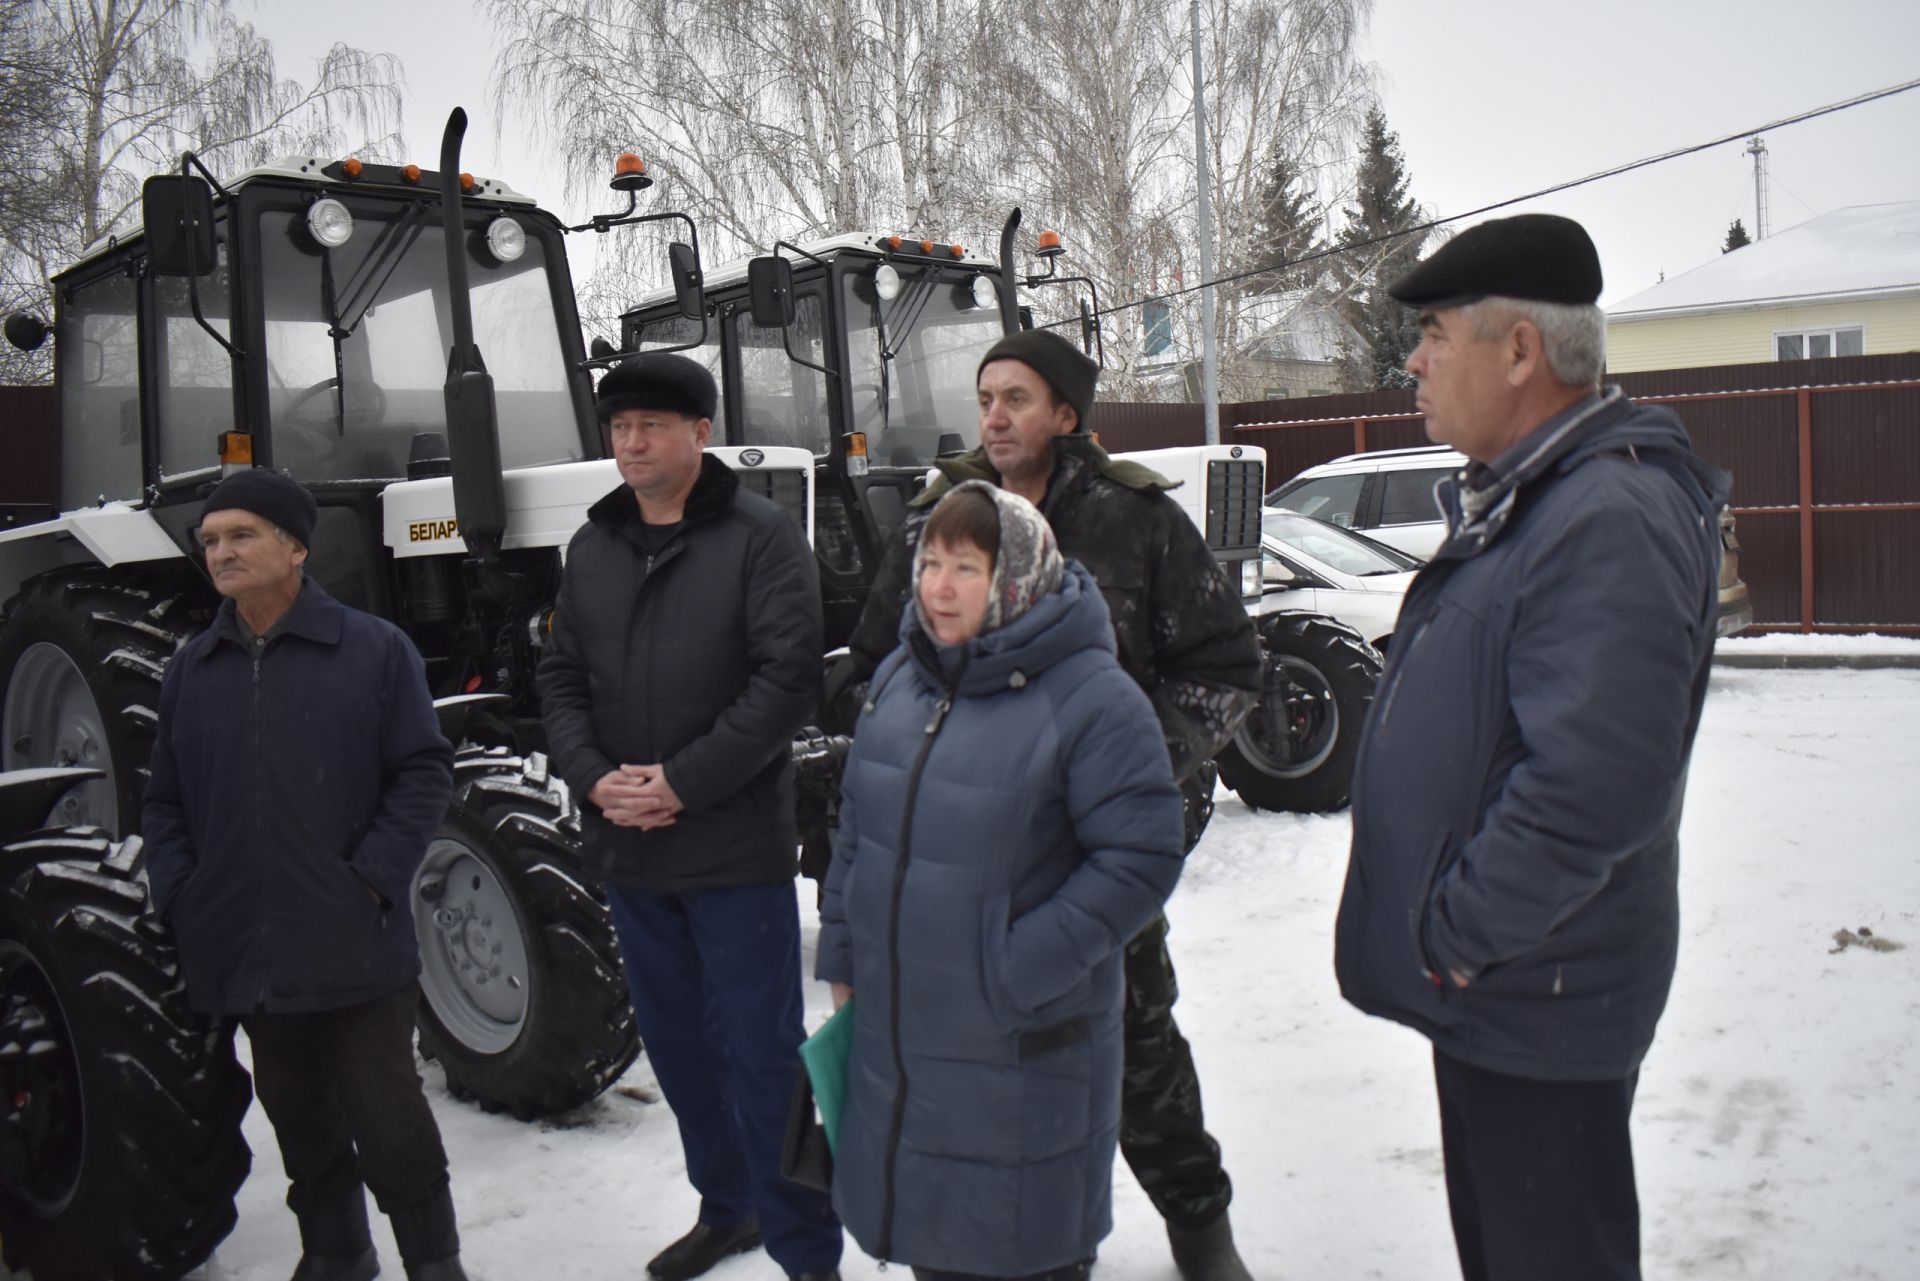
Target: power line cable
<point x="1859" y="100"/>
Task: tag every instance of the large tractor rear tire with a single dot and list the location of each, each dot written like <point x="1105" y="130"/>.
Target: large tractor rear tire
<point x="525" y="1003"/>
<point x="120" y="1108"/>
<point x="81" y="655"/>
<point x="1296" y="750"/>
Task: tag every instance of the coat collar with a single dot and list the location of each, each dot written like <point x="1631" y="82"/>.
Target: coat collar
<point x="713" y="492"/>
<point x="314" y="615"/>
<point x="1074" y="453"/>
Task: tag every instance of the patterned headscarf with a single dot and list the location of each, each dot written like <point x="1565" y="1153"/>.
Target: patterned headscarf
<point x="1027" y="567"/>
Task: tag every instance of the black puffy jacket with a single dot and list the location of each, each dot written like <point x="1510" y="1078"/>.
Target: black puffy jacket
<point x="1182" y="633"/>
<point x="706" y="658"/>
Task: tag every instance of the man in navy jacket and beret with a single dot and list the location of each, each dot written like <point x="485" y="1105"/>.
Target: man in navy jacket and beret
<point x="1516" y="805"/>
<point x="298" y="775"/>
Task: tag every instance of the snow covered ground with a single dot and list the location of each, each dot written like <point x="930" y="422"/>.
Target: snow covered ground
<point x="1778" y="1121"/>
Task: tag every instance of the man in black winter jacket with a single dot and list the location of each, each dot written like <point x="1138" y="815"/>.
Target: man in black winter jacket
<point x="298" y="775"/>
<point x="1516" y="803"/>
<point x="686" y="652"/>
<point x="1184" y="638"/>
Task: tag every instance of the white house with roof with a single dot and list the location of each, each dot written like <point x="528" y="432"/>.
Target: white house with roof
<point x="1844" y="284"/>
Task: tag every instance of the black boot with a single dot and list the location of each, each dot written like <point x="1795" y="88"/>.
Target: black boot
<point x="428" y="1239"/>
<point x="1207" y="1254"/>
<point x="336" y="1243"/>
<point x="701" y="1248"/>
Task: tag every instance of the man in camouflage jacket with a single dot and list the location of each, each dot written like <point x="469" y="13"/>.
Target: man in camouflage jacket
<point x="1185" y="639"/>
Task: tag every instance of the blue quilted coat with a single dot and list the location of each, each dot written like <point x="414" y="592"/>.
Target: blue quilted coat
<point x="1009" y="821"/>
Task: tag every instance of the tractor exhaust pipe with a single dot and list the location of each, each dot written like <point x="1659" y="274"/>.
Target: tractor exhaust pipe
<point x="1009" y="281"/>
<point x="473" y="429"/>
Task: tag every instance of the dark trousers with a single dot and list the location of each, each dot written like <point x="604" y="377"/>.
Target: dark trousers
<point x="1539" y="1175"/>
<point x="1163" y="1134"/>
<point x="346" y="1106"/>
<point x="715" y="980"/>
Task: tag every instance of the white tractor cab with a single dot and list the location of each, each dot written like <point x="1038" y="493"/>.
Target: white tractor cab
<point x="862" y="350"/>
<point x="327" y="319"/>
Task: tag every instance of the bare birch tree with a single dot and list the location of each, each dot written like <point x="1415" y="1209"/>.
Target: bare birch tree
<point x="136" y="82"/>
<point x="788" y="118"/>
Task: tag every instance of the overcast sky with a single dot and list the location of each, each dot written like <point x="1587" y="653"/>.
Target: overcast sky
<point x="1491" y="98"/>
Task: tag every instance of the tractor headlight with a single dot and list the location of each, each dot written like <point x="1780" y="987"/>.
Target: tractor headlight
<point x="506" y="239"/>
<point x="330" y="223"/>
<point x="886" y="281"/>
<point x="985" y="296"/>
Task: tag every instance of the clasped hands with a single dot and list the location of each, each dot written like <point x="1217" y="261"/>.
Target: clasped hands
<point x="637" y="796"/>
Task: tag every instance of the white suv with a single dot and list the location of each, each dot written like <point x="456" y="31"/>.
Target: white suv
<point x="1387" y="495"/>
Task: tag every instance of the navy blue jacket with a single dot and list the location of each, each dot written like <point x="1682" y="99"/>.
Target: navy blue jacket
<point x="1517" y="796"/>
<point x="705" y="658"/>
<point x="1000" y="841"/>
<point x="293" y="796"/>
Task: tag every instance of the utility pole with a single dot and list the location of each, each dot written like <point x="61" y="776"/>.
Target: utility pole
<point x="1209" y="360"/>
<point x="1757" y="148"/>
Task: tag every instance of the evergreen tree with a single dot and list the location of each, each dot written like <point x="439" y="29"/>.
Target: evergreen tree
<point x="1286" y="229"/>
<point x="1736" y="237"/>
<point x="1381" y="248"/>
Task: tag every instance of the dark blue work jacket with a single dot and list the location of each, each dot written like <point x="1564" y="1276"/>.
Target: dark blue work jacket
<point x="293" y="795"/>
<point x="1516" y="802"/>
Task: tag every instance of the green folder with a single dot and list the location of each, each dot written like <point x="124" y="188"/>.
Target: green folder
<point x="825" y="1053"/>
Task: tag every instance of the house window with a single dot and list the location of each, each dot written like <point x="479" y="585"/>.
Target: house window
<point x="1275" y="393"/>
<point x="1156" y="320"/>
<point x="1816" y="344"/>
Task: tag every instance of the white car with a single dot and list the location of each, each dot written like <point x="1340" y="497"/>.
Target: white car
<point x="1386" y="495"/>
<point x="1315" y="566"/>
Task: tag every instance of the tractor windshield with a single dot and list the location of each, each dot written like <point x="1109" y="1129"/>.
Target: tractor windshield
<point x="357" y="338"/>
<point x="917" y="351"/>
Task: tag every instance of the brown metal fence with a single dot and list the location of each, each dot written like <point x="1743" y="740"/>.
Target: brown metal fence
<point x="1825" y="457"/>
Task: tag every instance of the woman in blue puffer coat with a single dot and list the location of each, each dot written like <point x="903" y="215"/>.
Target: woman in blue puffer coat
<point x="1009" y="820"/>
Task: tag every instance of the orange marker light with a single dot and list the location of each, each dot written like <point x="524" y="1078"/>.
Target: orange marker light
<point x="411" y="173"/>
<point x="466" y="182"/>
<point x="628" y="163"/>
<point x="236" y="447"/>
<point x="856" y="444"/>
<point x="894" y="242"/>
<point x="926" y="246"/>
<point x="958" y="251"/>
<point x="352" y="167"/>
<point x="1050" y="242"/>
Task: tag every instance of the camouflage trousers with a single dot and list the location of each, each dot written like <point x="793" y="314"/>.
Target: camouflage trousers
<point x="1162" y="1132"/>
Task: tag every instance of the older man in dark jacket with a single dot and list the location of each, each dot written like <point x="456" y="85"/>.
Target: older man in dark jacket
<point x="1184" y="638"/>
<point x="686" y="652"/>
<point x="1512" y="894"/>
<point x="298" y="774"/>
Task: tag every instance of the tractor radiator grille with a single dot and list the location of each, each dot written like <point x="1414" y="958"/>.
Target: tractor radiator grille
<point x="1233" y="504"/>
<point x="786" y="488"/>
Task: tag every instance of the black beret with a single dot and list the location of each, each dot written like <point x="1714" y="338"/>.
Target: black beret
<point x="270" y="496"/>
<point x="1067" y="369"/>
<point x="657" y="380"/>
<point x="1538" y="257"/>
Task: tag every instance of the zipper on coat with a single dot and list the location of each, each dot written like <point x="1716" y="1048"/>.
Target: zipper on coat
<point x="259" y="835"/>
<point x="898" y="1116"/>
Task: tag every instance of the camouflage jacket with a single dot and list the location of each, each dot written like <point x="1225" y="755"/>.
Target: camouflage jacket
<point x="1182" y="633"/>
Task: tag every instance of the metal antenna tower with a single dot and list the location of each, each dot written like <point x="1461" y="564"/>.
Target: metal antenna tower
<point x="1757" y="148"/>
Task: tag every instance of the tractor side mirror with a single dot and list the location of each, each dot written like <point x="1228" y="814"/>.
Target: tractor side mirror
<point x="688" y="289"/>
<point x="601" y="349"/>
<point x="770" y="291"/>
<point x="177" y="210"/>
<point x="26" y="331"/>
